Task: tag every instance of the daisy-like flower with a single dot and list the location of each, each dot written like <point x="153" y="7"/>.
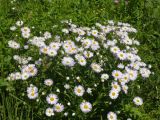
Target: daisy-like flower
<point x="86" y="107"/>
<point x="68" y="61"/>
<point x="49" y="112"/>
<point x="94" y="33"/>
<point x="87" y="54"/>
<point x="130" y="57"/>
<point x="58" y="107"/>
<point x="25" y="34"/>
<point x="32" y="95"/>
<point x="32" y="88"/>
<point x="81" y="32"/>
<point x="18" y="75"/>
<point x="13" y="44"/>
<point x="81" y="60"/>
<point x="112" y="116"/>
<point x="113" y="94"/>
<point x="55" y="45"/>
<point x="48" y="82"/>
<point x="13" y="28"/>
<point x="86" y="43"/>
<point x="47" y="35"/>
<point x="89" y="90"/>
<point x="52" y="99"/>
<point x="116" y="87"/>
<point x="121" y="66"/>
<point x="125" y="89"/>
<point x="19" y="23"/>
<point x="117" y="74"/>
<point x="66" y="86"/>
<point x="96" y="67"/>
<point x="114" y="49"/>
<point x="79" y="90"/>
<point x="52" y="52"/>
<point x="132" y="74"/>
<point x="44" y="49"/>
<point x="121" y="55"/>
<point x="95" y="45"/>
<point x="104" y="76"/>
<point x="138" y="101"/>
<point x="65" y="31"/>
<point x="25" y="30"/>
<point x="25" y="76"/>
<point x="30" y="69"/>
<point x="145" y="72"/>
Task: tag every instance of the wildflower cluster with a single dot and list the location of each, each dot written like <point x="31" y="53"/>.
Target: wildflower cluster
<point x="75" y="62"/>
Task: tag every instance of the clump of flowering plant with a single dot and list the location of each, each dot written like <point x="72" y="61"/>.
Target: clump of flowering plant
<point x="63" y="72"/>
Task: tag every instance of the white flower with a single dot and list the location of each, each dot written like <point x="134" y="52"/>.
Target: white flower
<point x="66" y="114"/>
<point x="80" y="32"/>
<point x="79" y="90"/>
<point x="52" y="52"/>
<point x="25" y="76"/>
<point x="138" y="101"/>
<point x="121" y="55"/>
<point x="96" y="67"/>
<point x="86" y="107"/>
<point x="95" y="45"/>
<point x="68" y="103"/>
<point x="104" y="76"/>
<point x="55" y="45"/>
<point x="32" y="88"/>
<point x="68" y="61"/>
<point x="13" y="28"/>
<point x="73" y="114"/>
<point x="116" y="87"/>
<point x="125" y="89"/>
<point x="86" y="43"/>
<point x="81" y="60"/>
<point x="18" y="75"/>
<point x="19" y="23"/>
<point x="89" y="90"/>
<point x="48" y="82"/>
<point x="114" y="49"/>
<point x="44" y="49"/>
<point x="67" y="86"/>
<point x="94" y="33"/>
<point x="52" y="99"/>
<point x="132" y="74"/>
<point x="112" y="116"/>
<point x="13" y="44"/>
<point x="125" y="78"/>
<point x="32" y="95"/>
<point x="145" y="72"/>
<point x="88" y="54"/>
<point x="113" y="94"/>
<point x="117" y="74"/>
<point x="30" y="69"/>
<point x="121" y="66"/>
<point x="25" y="34"/>
<point x="65" y="31"/>
<point x="47" y="35"/>
<point x="49" y="112"/>
<point x="25" y="30"/>
<point x="58" y="107"/>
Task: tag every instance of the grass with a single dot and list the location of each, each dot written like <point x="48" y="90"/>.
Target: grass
<point x="142" y="14"/>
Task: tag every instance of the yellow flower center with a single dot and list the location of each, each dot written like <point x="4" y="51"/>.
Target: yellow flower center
<point x="79" y="90"/>
<point x="51" y="99"/>
<point x="86" y="107"/>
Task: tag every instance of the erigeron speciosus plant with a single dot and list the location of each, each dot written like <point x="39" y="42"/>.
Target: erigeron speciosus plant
<point x="70" y="66"/>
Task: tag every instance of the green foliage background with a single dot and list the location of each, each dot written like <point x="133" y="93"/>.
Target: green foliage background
<point x="144" y="15"/>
